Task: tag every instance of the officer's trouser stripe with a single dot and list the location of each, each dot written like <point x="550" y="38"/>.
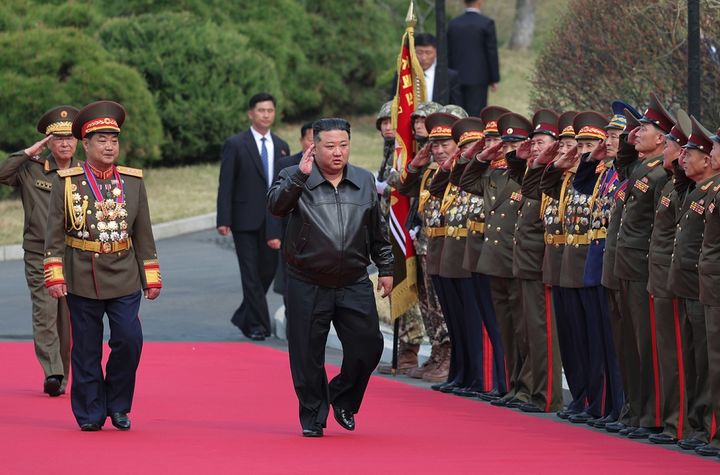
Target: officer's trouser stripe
<point x="681" y="367"/>
<point x="488" y="376"/>
<point x="656" y="364"/>
<point x="548" y="330"/>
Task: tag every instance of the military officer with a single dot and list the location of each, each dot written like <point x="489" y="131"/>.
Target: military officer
<point x="488" y="176"/>
<point x="33" y="174"/>
<point x="643" y="194"/>
<point x="474" y="243"/>
<point x="553" y="184"/>
<point x="543" y="351"/>
<point x="415" y="183"/>
<point x="683" y="279"/>
<point x="709" y="269"/>
<point x="100" y="254"/>
<point x="665" y="304"/>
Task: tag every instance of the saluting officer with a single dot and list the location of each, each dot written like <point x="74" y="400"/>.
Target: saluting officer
<point x="646" y="183"/>
<point x="100" y="253"/>
<point x="553" y="183"/>
<point x="709" y="269"/>
<point x="543" y="350"/>
<point x="665" y="304"/>
<point x="33" y="174"/>
<point x="488" y="176"/>
<point x="683" y="279"/>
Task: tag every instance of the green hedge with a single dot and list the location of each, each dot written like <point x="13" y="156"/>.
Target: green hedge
<point x="200" y="75"/>
<point x="75" y="70"/>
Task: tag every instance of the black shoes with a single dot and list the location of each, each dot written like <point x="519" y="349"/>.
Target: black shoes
<point x="644" y="432"/>
<point x="707" y="450"/>
<point x="90" y="427"/>
<point x="120" y="420"/>
<point x="257" y="336"/>
<point x="53" y="385"/>
<point x="491" y="396"/>
<point x="317" y="432"/>
<point x="690" y="444"/>
<point x="448" y="387"/>
<point x="530" y="407"/>
<point x="580" y="418"/>
<point x="345" y="418"/>
<point x="614" y="427"/>
<point x="468" y="392"/>
<point x="662" y="439"/>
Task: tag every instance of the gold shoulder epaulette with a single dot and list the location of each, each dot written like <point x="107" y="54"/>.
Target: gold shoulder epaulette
<point x="706" y="186"/>
<point x="136" y="172"/>
<point x="65" y="172"/>
<point x="653" y="164"/>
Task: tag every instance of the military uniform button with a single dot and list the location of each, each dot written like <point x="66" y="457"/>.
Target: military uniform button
<point x="97" y="255"/>
<point x="495" y="242"/>
<point x="502" y="215"/>
<point x="89" y="212"/>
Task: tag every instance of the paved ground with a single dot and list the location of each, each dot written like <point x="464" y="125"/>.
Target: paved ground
<point x="201" y="291"/>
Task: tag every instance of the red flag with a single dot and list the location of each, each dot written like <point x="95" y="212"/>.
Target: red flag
<point x="410" y="92"/>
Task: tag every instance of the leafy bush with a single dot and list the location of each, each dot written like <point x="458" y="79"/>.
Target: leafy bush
<point x="617" y="49"/>
<point x="75" y="70"/>
<point x="201" y="76"/>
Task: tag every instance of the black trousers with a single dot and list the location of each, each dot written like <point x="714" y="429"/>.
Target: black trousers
<point x="452" y="308"/>
<point x="94" y="396"/>
<point x="483" y="295"/>
<point x="571" y="333"/>
<point x="258" y="264"/>
<point x="352" y="311"/>
<point x="474" y="98"/>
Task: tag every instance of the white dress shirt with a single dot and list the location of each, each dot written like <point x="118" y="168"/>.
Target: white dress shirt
<point x="430" y="81"/>
<point x="270" y="151"/>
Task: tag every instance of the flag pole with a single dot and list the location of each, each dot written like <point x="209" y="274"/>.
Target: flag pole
<point x="410" y="22"/>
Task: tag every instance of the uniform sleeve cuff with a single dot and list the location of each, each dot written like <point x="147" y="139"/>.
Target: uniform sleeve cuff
<point x="53" y="267"/>
<point x="385" y="272"/>
<point x="153" y="278"/>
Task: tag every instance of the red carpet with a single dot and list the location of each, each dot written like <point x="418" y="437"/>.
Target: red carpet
<point x="230" y="408"/>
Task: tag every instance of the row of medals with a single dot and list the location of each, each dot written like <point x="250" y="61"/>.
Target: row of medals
<point x="109" y="214"/>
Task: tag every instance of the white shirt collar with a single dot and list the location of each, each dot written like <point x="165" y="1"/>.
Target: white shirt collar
<point x="472" y="10"/>
<point x="431" y="69"/>
<point x="258" y="136"/>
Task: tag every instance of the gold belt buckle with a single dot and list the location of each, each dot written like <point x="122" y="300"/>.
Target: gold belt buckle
<point x="570" y="238"/>
<point x="106" y="248"/>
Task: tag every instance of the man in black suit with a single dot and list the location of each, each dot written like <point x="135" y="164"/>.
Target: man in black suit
<point x="247" y="170"/>
<point x="472" y="51"/>
<point x="426" y="51"/>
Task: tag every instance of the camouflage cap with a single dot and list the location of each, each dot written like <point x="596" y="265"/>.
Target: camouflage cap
<point x="452" y="109"/>
<point x="385" y="113"/>
<point x="425" y="109"/>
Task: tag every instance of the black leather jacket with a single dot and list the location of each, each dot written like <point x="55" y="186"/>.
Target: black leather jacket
<point x="332" y="233"/>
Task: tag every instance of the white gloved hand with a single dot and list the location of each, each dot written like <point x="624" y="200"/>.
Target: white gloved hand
<point x="380" y="186"/>
<point x="414" y="232"/>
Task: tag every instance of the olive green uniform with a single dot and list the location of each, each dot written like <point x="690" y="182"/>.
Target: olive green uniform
<point x="50" y="320"/>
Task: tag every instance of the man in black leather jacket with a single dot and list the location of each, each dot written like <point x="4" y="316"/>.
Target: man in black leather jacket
<point x="335" y="227"/>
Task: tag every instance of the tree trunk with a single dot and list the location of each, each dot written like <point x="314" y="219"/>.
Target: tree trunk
<point x="523" y="25"/>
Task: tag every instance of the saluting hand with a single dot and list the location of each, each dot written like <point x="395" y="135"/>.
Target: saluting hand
<point x="632" y="136"/>
<point x="523" y="151"/>
<point x="476" y="148"/>
<point x="568" y="159"/>
<point x="38" y="147"/>
<point x="422" y="158"/>
<point x="490" y="154"/>
<point x="448" y="164"/>
<point x="385" y="284"/>
<point x="306" y="162"/>
<point x="600" y="152"/>
<point x="547" y="156"/>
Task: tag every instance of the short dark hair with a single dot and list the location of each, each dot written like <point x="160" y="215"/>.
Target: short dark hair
<point x="328" y="124"/>
<point x="425" y="39"/>
<point x="305" y="127"/>
<point x="260" y="97"/>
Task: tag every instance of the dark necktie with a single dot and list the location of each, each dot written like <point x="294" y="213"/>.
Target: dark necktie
<point x="264" y="159"/>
